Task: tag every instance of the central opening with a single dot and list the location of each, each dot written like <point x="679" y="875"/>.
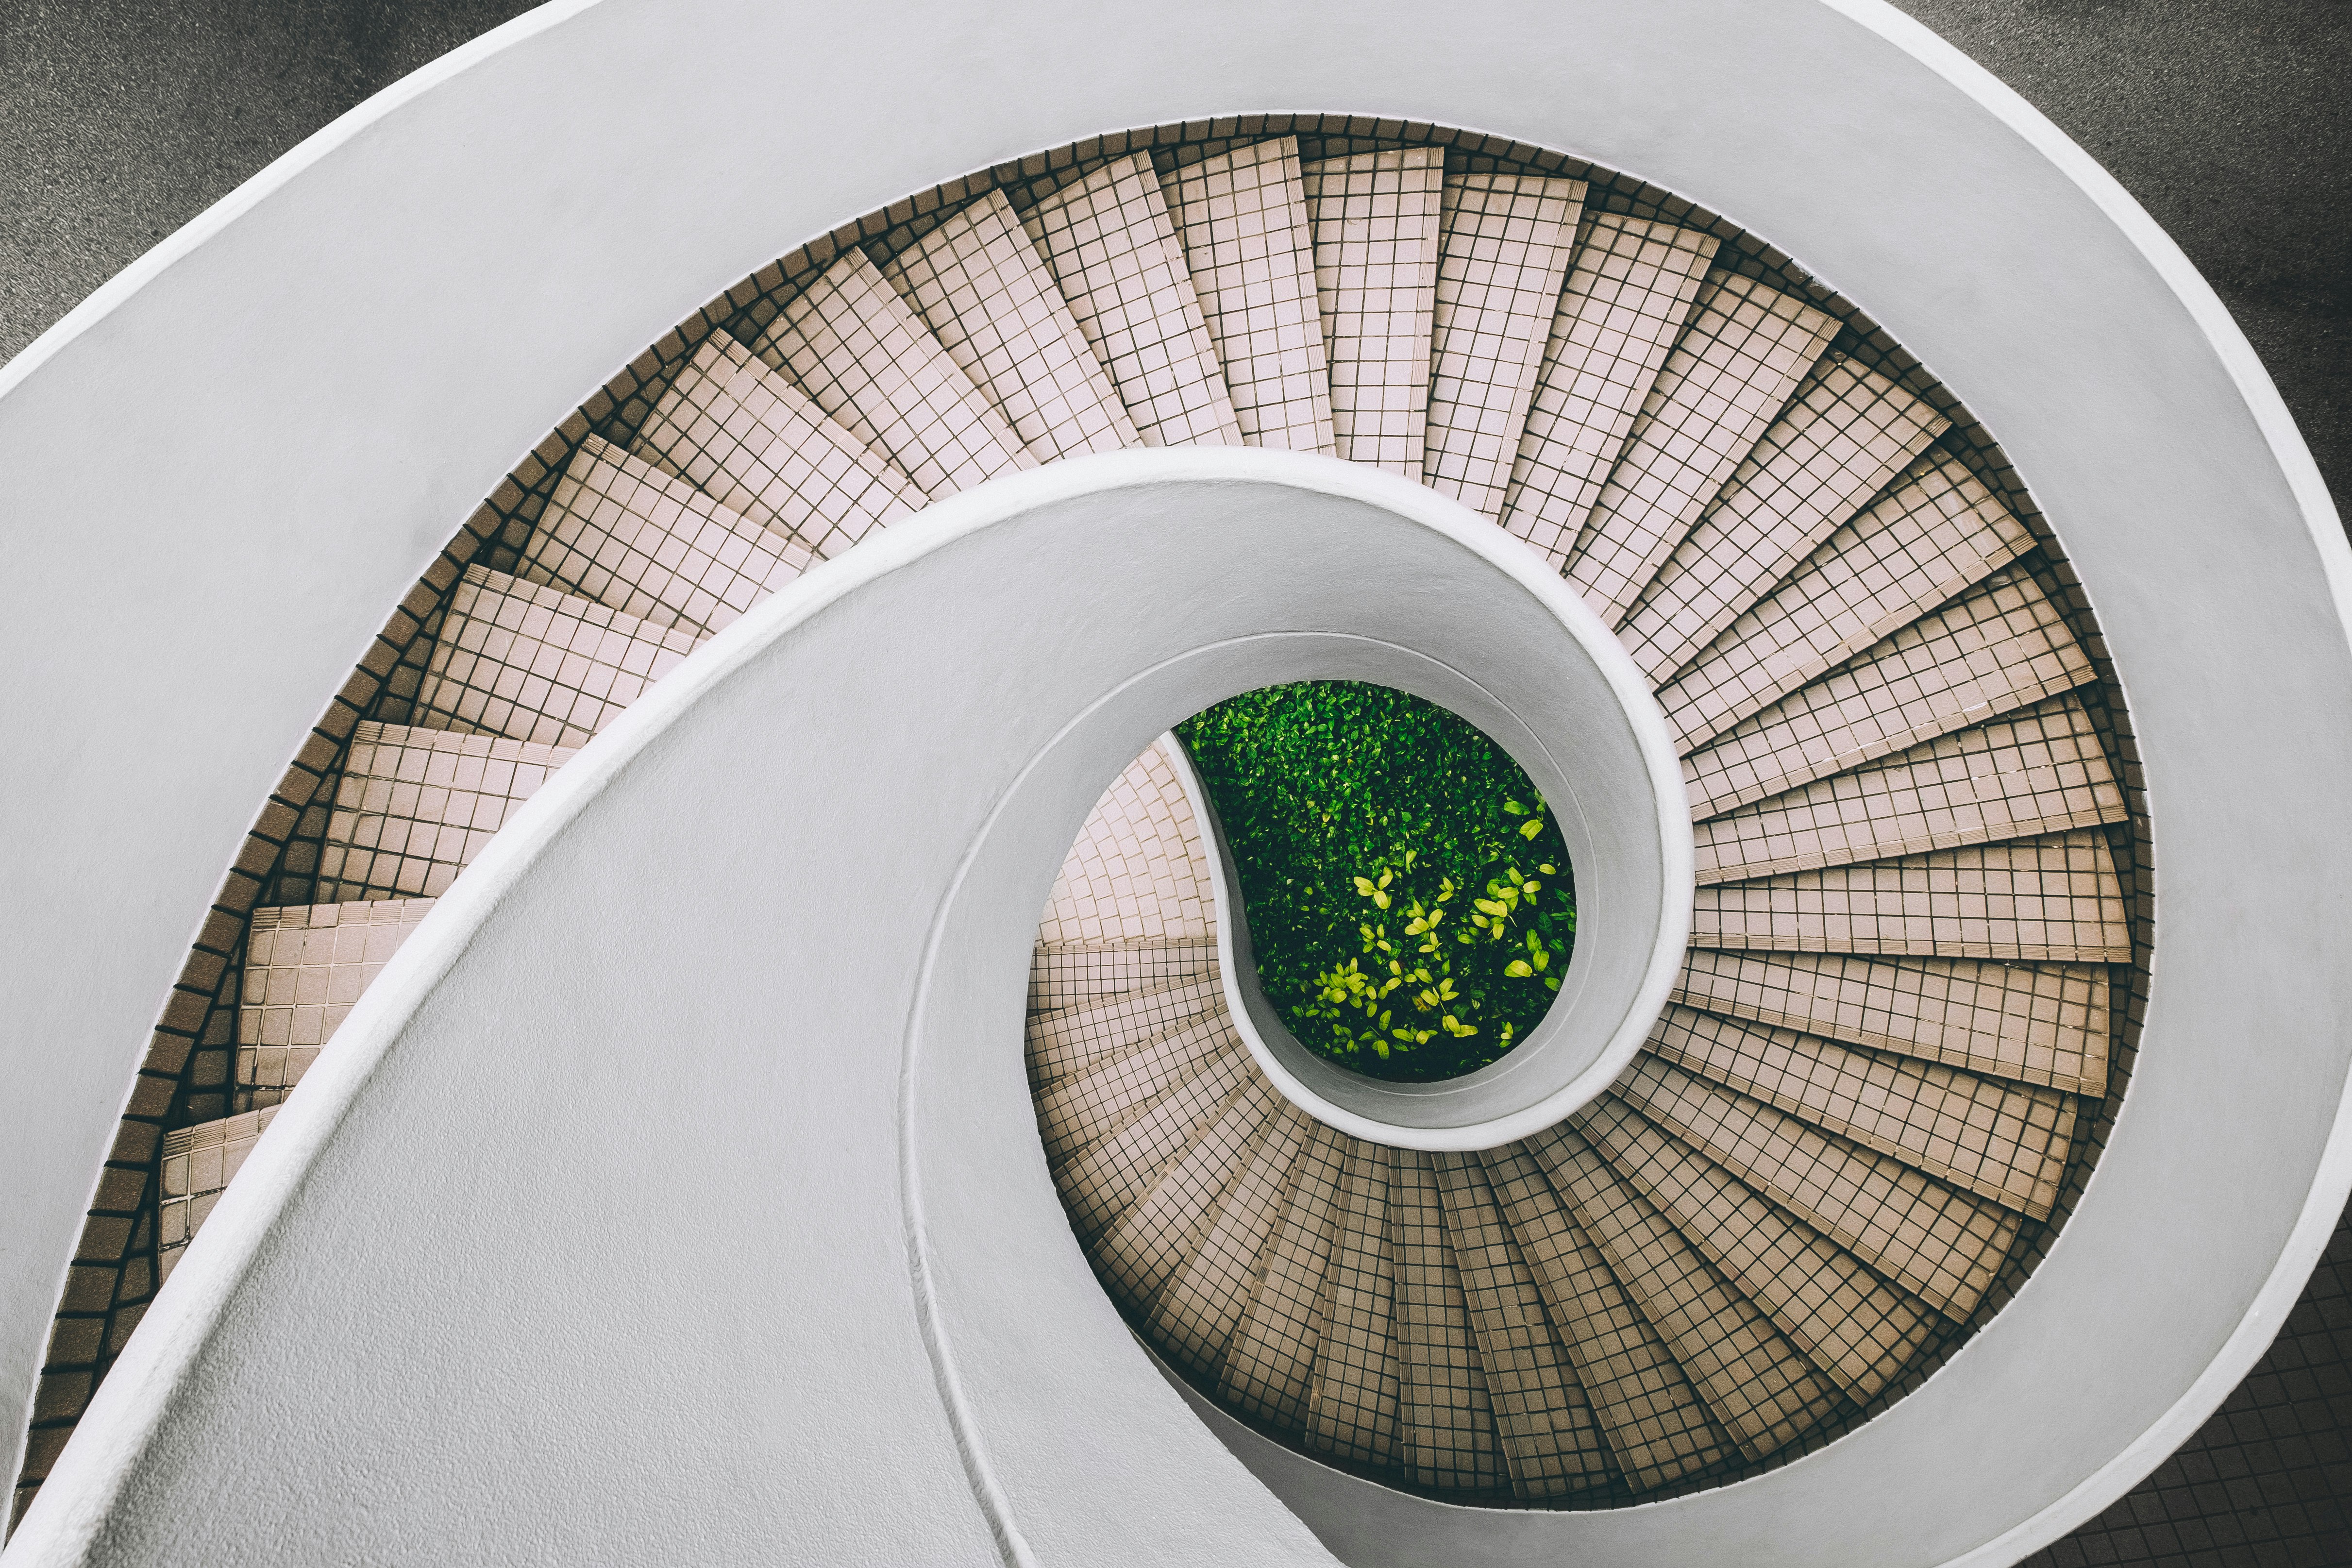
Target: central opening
<point x="1411" y="906"/>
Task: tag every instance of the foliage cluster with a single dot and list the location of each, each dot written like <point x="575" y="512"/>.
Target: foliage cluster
<point x="1409" y="898"/>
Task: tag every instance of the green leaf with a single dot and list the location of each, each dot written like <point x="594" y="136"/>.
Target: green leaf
<point x="1518" y="969"/>
<point x="1529" y="830"/>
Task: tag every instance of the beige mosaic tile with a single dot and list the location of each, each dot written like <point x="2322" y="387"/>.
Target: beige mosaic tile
<point x="1109" y="1176"/>
<point x="1658" y="1428"/>
<point x="1940" y="1244"/>
<point x="2046" y="1024"/>
<point x="305" y="968"/>
<point x="1242" y="218"/>
<point x="2041" y="770"/>
<point x="1137" y="870"/>
<point x="1193" y="1318"/>
<point x="1845" y="435"/>
<point x="1743" y="352"/>
<point x="1270" y="1364"/>
<point x="197" y="1165"/>
<point x="1552" y="1446"/>
<point x="1090" y="1106"/>
<point x="1937" y="534"/>
<point x="1166" y="1227"/>
<point x="1444" y="1413"/>
<point x="2041" y="900"/>
<point x="758" y="446"/>
<point x="533" y="663"/>
<point x="979" y="285"/>
<point x="1503" y="251"/>
<point x="1375" y="221"/>
<point x="1848" y="1323"/>
<point x="860" y="352"/>
<point x="1352" y="1414"/>
<point x="1074" y="1040"/>
<point x="1081" y="975"/>
<point x="1995" y="649"/>
<point x="414" y="806"/>
<point x="1760" y="1390"/>
<point x="1626" y="298"/>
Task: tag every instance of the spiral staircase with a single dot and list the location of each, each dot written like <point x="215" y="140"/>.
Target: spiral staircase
<point x="1920" y="937"/>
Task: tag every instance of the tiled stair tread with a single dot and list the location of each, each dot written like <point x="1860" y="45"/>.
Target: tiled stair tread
<point x="1374" y="217"/>
<point x="1093" y="1105"/>
<point x="1138" y="868"/>
<point x="2007" y="1141"/>
<point x="1076" y="1039"/>
<point x="1194" y="1314"/>
<point x="757" y="445"/>
<point x="1112" y="248"/>
<point x="1504" y="243"/>
<point x="414" y="806"/>
<point x="1551" y="1443"/>
<point x="1937" y="1242"/>
<point x="1166" y="1226"/>
<point x="1937" y="534"/>
<point x="1353" y="1412"/>
<point x="1847" y="1322"/>
<point x="978" y="282"/>
<point x="1081" y="975"/>
<point x="1745" y="350"/>
<point x="2055" y="899"/>
<point x="2037" y="771"/>
<point x="1106" y="1180"/>
<point x="1446" y="1415"/>
<point x="1760" y="1390"/>
<point x="534" y="663"/>
<point x="1845" y="435"/>
<point x="2047" y="1024"/>
<point x="1242" y="219"/>
<point x="1658" y="1428"/>
<point x="304" y="967"/>
<point x="195" y="1167"/>
<point x="635" y="540"/>
<point x="868" y="361"/>
<point x="1268" y="1366"/>
<point x="1625" y="301"/>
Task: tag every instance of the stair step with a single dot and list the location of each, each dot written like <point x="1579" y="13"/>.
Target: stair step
<point x="1077" y="1040"/>
<point x="1269" y="1366"/>
<point x="1103" y="1182"/>
<point x="1445" y="1412"/>
<point x="1658" y="1428"/>
<point x="1743" y="352"/>
<point x="1352" y="1416"/>
<point x="304" y="967"/>
<point x="1375" y="222"/>
<point x="2055" y="898"/>
<point x="757" y="445"/>
<point x="1112" y="248"/>
<point x="2048" y="1023"/>
<point x="1195" y="1313"/>
<point x="1551" y="1443"/>
<point x="197" y="1165"/>
<point x="2006" y="1141"/>
<point x="1829" y="1306"/>
<point x="1242" y="219"/>
<point x="1081" y="975"/>
<point x="1999" y="648"/>
<point x="1759" y="1388"/>
<point x="1939" y="532"/>
<point x="534" y="663"/>
<point x="856" y="348"/>
<point x="414" y="806"/>
<point x="1092" y="1106"/>
<point x="1155" y="1237"/>
<point x="1847" y="435"/>
<point x="1626" y="298"/>
<point x="1940" y="1244"/>
<point x="979" y="285"/>
<point x="2039" y="771"/>
<point x="635" y="540"/>
<point x="1138" y="869"/>
<point x="1503" y="245"/>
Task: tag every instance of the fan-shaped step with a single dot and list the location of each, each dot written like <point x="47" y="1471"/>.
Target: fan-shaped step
<point x="1446" y="1411"/>
<point x="1268" y="1365"/>
<point x="1066" y="974"/>
<point x="305" y="966"/>
<point x="1625" y="304"/>
<point x="1375" y="221"/>
<point x="1745" y="351"/>
<point x="1139" y="871"/>
<point x="197" y="1165"/>
<point x="1168" y="1224"/>
<point x="1112" y="246"/>
<point x="757" y="445"/>
<point x="534" y="663"/>
<point x="856" y="348"/>
<point x="1504" y="243"/>
<point x="2046" y="1024"/>
<point x="415" y="806"/>
<point x="1352" y="1409"/>
<point x="1077" y="1040"/>
<point x="1093" y="1105"/>
<point x="979" y="284"/>
<point x="1242" y="219"/>
<point x="1103" y="1181"/>
<point x="1195" y="1315"/>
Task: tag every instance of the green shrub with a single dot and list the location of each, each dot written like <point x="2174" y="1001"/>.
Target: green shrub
<point x="1410" y="902"/>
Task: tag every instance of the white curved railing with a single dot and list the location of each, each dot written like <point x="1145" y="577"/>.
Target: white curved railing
<point x="407" y="359"/>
